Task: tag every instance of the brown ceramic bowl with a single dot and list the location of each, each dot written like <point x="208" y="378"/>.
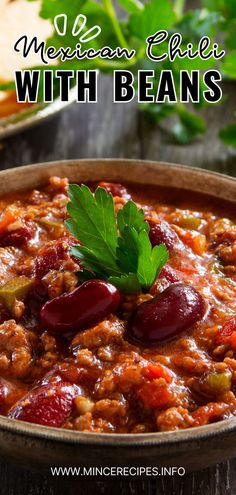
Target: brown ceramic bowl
<point x="195" y="448"/>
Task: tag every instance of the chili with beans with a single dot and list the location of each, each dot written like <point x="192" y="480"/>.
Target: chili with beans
<point x="86" y="357"/>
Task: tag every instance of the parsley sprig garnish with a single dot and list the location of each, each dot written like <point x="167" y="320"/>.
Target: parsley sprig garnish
<point x="114" y="248"/>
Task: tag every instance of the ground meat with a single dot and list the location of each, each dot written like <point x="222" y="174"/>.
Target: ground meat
<point x="174" y="418"/>
<point x="9" y="257"/>
<point x="223" y="239"/>
<point x="105" y="415"/>
<point x="86" y="422"/>
<point x="109" y="331"/>
<point x="221" y="230"/>
<point x="58" y="282"/>
<point x="86" y="358"/>
<point x="59" y="183"/>
<point x="123" y="377"/>
<point x="38" y="197"/>
<point x="227" y="254"/>
<point x="211" y="412"/>
<point x="193" y="365"/>
<point x="16" y="352"/>
<point x="47" y="355"/>
<point x="111" y="409"/>
<point x="83" y="423"/>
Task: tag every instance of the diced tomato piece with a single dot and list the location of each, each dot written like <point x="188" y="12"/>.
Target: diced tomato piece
<point x="197" y="242"/>
<point x="8" y="216"/>
<point x="157" y="370"/>
<point x="156" y="394"/>
<point x="188" y="271"/>
<point x="49" y="404"/>
<point x="209" y="413"/>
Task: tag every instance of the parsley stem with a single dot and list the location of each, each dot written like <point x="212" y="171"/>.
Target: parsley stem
<point x="179" y="8"/>
<point x="116" y="25"/>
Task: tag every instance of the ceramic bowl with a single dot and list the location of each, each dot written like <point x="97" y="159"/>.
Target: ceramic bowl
<point x="37" y="446"/>
<point x="33" y="115"/>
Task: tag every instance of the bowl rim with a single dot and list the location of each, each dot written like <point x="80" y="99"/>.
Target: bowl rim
<point x="134" y="161"/>
<point x="152" y="439"/>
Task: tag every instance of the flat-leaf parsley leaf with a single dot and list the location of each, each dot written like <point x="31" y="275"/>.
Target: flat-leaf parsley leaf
<point x="115" y="248"/>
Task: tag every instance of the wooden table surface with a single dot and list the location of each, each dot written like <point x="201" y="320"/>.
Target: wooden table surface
<point x="108" y="130"/>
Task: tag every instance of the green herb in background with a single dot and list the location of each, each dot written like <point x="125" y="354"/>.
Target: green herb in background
<point x="141" y="19"/>
<point x="114" y="249"/>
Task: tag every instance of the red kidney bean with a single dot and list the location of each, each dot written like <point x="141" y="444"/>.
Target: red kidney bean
<point x="116" y="189"/>
<point x="169" y="274"/>
<point x="162" y="233"/>
<point x="166" y="277"/>
<point x="46" y="262"/>
<point x="177" y="308"/>
<point x="48" y="404"/>
<point x="51" y="256"/>
<point x="17" y="237"/>
<point x="86" y="306"/>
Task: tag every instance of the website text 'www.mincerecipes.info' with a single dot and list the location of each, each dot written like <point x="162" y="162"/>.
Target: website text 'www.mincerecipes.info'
<point x="110" y="471"/>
